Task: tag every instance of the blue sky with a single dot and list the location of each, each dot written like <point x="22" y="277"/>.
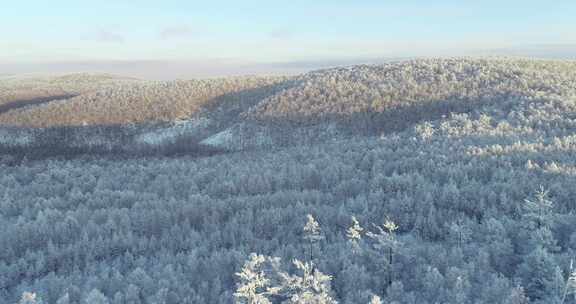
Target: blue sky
<point x="260" y="33"/>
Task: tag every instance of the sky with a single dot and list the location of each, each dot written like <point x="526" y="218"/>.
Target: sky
<point x="186" y="39"/>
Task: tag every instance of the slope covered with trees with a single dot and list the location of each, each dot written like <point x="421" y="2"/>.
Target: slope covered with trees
<point x="474" y="207"/>
<point x="21" y="91"/>
<point x="372" y="99"/>
<point x="143" y="102"/>
<point x="379" y="88"/>
<point x="253" y="112"/>
<point x="377" y="99"/>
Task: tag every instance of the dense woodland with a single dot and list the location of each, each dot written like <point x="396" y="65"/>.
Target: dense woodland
<point x="136" y="102"/>
<point x="18" y="89"/>
<point x="470" y="203"/>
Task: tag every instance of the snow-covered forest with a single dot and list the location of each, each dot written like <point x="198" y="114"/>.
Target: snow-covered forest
<point x="425" y="181"/>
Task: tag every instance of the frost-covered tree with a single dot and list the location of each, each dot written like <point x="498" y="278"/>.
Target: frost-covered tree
<point x="538" y="209"/>
<point x="570" y="287"/>
<point x="375" y="300"/>
<point x="133" y="294"/>
<point x="312" y="233"/>
<point x="65" y="299"/>
<point x="424" y="131"/>
<point x="310" y="287"/>
<point x="386" y="243"/>
<point x="459" y="233"/>
<point x="96" y="297"/>
<point x="572" y="284"/>
<point x="261" y="280"/>
<point x="538" y="275"/>
<point x="354" y="234"/>
<point x="254" y="286"/>
<point x="517" y="296"/>
<point x="30" y="298"/>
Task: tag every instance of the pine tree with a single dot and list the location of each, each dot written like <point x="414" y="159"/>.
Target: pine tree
<point x="459" y="233"/>
<point x="395" y="293"/>
<point x="543" y="237"/>
<point x="354" y="234"/>
<point x="538" y="210"/>
<point x="386" y="242"/>
<point x="96" y="297"/>
<point x="160" y="296"/>
<point x="312" y="233"/>
<point x="65" y="299"/>
<point x="30" y="298"/>
<point x="572" y="285"/>
<point x="433" y="284"/>
<point x="312" y="287"/>
<point x="132" y="294"/>
<point x="538" y="274"/>
<point x="375" y="300"/>
<point x="570" y="288"/>
<point x="262" y="280"/>
<point x="254" y="286"/>
<point x="517" y="296"/>
<point x="459" y="291"/>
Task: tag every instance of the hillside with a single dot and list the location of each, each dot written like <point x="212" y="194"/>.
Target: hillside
<point x="339" y="92"/>
<point x="260" y="113"/>
<point x="378" y="99"/>
<point x="15" y="89"/>
<point x="480" y="186"/>
<point x="142" y="102"/>
<point x="417" y="83"/>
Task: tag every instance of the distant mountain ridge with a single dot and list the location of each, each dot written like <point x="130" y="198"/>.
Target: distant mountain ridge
<point x="16" y="89"/>
<point x="340" y="91"/>
<point x="129" y="102"/>
<point x="253" y="112"/>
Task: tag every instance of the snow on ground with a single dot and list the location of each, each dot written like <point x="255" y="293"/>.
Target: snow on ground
<point x="224" y="139"/>
<point x="170" y="134"/>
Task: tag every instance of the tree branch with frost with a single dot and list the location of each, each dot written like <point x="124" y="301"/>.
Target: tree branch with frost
<point x="312" y="287"/>
<point x="254" y="286"/>
<point x="354" y="234"/>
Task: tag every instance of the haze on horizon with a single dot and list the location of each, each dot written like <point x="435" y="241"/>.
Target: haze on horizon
<point x="188" y="39"/>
